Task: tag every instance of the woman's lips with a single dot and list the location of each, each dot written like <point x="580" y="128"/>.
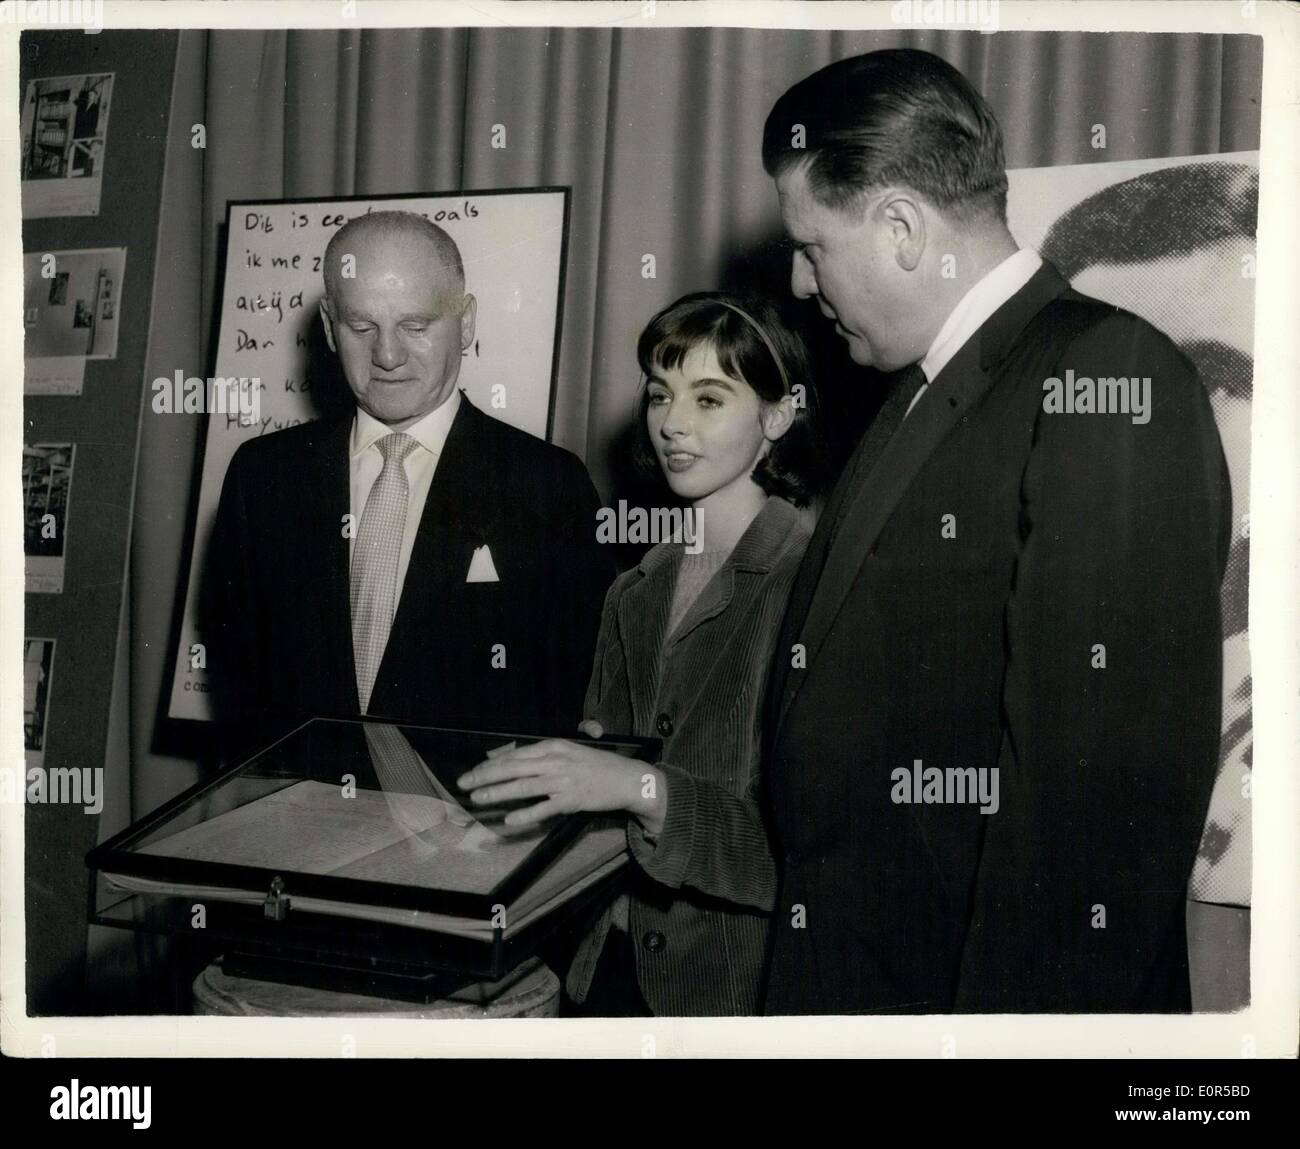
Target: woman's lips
<point x="678" y="461"/>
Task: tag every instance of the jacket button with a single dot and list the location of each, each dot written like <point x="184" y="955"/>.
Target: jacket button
<point x="654" y="941"/>
<point x="664" y="725"/>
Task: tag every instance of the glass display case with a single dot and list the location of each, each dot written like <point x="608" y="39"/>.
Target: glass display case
<point x="345" y="856"/>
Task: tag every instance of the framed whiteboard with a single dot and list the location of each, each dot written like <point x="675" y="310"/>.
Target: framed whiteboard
<point x="513" y="244"/>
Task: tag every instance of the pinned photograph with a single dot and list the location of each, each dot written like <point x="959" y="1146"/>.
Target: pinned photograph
<point x="47" y="481"/>
<point x="38" y="667"/>
<point x="64" y="141"/>
<point x="70" y="314"/>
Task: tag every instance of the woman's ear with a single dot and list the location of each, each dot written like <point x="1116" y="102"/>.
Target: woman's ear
<point x="778" y="418"/>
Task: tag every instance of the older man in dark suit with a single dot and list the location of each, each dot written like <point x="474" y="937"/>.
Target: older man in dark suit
<point x="415" y="559"/>
<point x="994" y="720"/>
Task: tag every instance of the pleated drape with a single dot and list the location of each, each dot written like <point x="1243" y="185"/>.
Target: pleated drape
<point x="657" y="133"/>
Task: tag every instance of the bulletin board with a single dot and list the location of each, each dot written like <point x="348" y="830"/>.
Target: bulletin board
<point x="90" y="239"/>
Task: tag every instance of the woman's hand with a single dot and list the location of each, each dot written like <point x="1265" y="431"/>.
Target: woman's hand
<point x="568" y="778"/>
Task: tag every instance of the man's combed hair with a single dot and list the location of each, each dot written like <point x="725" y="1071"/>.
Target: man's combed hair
<point x="894" y="117"/>
<point x="793" y="467"/>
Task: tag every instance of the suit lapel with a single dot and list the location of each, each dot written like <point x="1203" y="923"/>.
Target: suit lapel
<point x="712" y="601"/>
<point x="458" y="515"/>
<point x="956" y="391"/>
<point x="754" y="553"/>
<point x="325" y="549"/>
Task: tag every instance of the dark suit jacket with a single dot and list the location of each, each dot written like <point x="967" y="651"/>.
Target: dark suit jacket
<point x="278" y="619"/>
<point x="1072" y="531"/>
<point x="701" y="895"/>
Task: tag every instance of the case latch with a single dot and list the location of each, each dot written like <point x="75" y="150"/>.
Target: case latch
<point x="275" y="907"/>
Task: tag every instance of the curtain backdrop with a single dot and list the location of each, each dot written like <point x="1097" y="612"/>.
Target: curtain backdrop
<point x="656" y="131"/>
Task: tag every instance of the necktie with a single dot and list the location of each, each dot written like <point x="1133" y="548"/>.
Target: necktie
<point x="375" y="561"/>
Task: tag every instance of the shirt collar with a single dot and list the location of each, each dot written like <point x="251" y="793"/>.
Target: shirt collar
<point x="430" y="432"/>
<point x="980" y="302"/>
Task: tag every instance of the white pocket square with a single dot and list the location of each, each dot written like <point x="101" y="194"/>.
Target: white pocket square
<point x="481" y="568"/>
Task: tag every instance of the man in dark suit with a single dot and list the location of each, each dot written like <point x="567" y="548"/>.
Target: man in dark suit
<point x="415" y="559"/>
<point x="993" y="721"/>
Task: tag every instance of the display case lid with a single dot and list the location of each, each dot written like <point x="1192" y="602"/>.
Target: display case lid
<point x="363" y="818"/>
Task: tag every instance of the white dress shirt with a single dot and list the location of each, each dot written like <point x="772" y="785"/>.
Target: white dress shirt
<point x="974" y="309"/>
<point x="365" y="462"/>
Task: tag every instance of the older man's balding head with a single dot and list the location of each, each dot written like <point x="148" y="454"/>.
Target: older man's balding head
<point x="396" y="313"/>
<point x="360" y="235"/>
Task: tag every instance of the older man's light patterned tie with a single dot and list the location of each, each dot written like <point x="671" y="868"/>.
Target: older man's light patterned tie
<point x="375" y="561"/>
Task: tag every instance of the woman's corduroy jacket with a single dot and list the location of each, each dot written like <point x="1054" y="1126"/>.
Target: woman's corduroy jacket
<point x="702" y="893"/>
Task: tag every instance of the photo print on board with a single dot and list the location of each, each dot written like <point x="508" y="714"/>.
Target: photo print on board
<point x="38" y="670"/>
<point x="47" y="483"/>
<point x="64" y="142"/>
<point x="70" y="314"/>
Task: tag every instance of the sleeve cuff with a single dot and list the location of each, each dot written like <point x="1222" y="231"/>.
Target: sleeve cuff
<point x="667" y="858"/>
